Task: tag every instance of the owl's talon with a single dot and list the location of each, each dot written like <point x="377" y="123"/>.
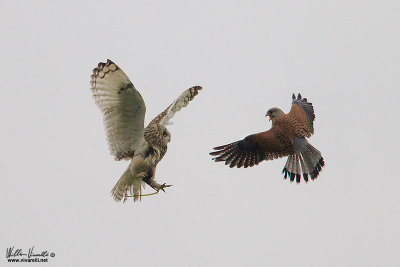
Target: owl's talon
<point x="163" y="186"/>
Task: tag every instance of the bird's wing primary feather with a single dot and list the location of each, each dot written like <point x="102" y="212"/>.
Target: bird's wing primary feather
<point x="253" y="149"/>
<point x="303" y="112"/>
<point x="123" y="109"/>
<point x="182" y="101"/>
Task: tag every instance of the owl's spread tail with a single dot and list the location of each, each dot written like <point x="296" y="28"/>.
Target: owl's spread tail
<point x="126" y="184"/>
<point x="306" y="159"/>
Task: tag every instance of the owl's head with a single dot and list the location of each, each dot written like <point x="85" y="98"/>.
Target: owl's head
<point x="165" y="135"/>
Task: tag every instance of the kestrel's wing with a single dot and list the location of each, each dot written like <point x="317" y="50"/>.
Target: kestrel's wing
<point x="303" y="112"/>
<point x="182" y="101"/>
<point x="123" y="109"/>
<point x="254" y="149"/>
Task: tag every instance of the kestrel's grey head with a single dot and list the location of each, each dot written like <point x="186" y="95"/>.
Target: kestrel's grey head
<point x="274" y="113"/>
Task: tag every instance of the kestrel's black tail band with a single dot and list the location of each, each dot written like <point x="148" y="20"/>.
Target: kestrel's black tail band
<point x="308" y="162"/>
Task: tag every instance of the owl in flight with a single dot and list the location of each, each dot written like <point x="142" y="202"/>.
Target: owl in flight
<point x="287" y="137"/>
<point x="124" y="110"/>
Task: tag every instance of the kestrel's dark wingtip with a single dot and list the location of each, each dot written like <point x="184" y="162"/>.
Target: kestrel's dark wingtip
<point x="218" y="147"/>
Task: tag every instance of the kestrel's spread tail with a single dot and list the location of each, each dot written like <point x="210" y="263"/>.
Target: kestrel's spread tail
<point x="287" y="137"/>
<point x="306" y="160"/>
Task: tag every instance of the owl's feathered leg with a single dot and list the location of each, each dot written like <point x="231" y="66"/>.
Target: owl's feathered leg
<point x="136" y="186"/>
<point x="149" y="179"/>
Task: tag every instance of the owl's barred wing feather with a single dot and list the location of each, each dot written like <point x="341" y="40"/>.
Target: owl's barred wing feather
<point x="252" y="150"/>
<point x="182" y="101"/>
<point x="123" y="109"/>
<point x="303" y="112"/>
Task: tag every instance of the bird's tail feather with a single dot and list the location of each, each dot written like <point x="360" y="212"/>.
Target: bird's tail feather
<point x="126" y="184"/>
<point x="307" y="161"/>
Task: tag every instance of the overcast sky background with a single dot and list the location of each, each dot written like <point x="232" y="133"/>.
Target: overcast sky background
<point x="249" y="56"/>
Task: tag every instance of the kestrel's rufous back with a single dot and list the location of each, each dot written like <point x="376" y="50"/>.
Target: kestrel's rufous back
<point x="287" y="137"/>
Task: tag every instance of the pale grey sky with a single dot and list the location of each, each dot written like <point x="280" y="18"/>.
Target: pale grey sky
<point x="249" y="56"/>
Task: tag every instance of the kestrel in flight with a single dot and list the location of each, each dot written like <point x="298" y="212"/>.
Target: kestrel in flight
<point x="287" y="137"/>
<point x="124" y="110"/>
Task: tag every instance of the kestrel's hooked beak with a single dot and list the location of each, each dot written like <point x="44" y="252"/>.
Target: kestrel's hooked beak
<point x="268" y="115"/>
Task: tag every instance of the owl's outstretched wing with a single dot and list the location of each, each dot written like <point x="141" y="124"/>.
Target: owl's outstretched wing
<point x="123" y="109"/>
<point x="182" y="101"/>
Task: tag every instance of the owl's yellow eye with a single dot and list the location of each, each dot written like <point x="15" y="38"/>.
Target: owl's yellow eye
<point x="165" y="134"/>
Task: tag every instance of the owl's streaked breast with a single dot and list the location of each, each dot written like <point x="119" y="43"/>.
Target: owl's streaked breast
<point x="152" y="156"/>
